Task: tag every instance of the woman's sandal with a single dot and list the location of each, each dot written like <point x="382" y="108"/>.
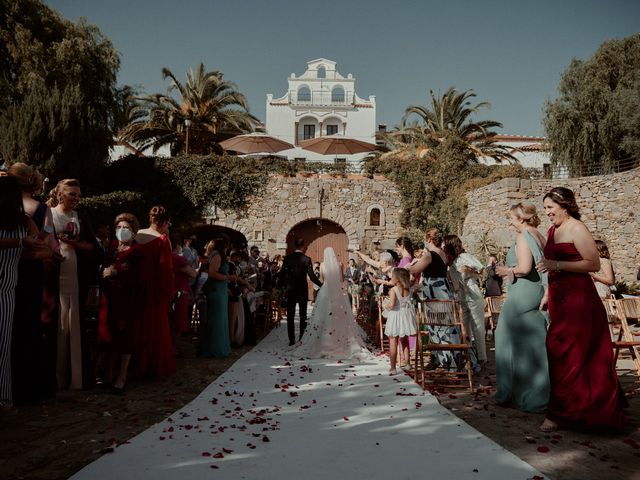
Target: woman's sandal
<point x="548" y="426"/>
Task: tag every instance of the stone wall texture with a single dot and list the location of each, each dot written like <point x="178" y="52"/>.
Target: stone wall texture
<point x="345" y="200"/>
<point x="609" y="206"/>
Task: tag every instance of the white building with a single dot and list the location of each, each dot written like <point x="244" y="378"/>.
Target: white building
<point x="531" y="152"/>
<point x="321" y="102"/>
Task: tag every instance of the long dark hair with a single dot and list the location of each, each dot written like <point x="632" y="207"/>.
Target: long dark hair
<point x="220" y="245"/>
<point x="452" y="246"/>
<point x="407" y="244"/>
<point x="566" y="199"/>
<point x="13" y="215"/>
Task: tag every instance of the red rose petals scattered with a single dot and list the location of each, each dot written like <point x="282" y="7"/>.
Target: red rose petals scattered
<point x="251" y="446"/>
<point x="202" y="419"/>
<point x="543" y="449"/>
<point x="206" y="454"/>
<point x="418" y="405"/>
<point x="346" y="419"/>
<point x="227" y="450"/>
<point x="218" y="455"/>
<point x="213" y="465"/>
<point x="162" y="438"/>
<point x="265" y="438"/>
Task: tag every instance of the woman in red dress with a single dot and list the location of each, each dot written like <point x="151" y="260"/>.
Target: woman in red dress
<point x="153" y="355"/>
<point x="119" y="307"/>
<point x="585" y="391"/>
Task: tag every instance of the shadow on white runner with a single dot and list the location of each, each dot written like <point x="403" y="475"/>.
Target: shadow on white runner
<point x="271" y="416"/>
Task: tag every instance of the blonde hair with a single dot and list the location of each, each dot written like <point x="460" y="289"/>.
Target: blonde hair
<point x="54" y="194"/>
<point x="29" y="179"/>
<point x="526" y="212"/>
<point x="403" y="277"/>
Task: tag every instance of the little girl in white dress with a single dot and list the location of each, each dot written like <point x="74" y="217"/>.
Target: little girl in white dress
<point x="401" y="318"/>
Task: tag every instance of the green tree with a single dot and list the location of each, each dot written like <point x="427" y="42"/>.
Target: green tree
<point x="57" y="91"/>
<point x="214" y="107"/>
<point x="424" y="127"/>
<point x="593" y="126"/>
<point x="433" y="186"/>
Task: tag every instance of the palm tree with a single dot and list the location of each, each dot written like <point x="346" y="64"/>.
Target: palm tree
<point x="208" y="110"/>
<point x="448" y="115"/>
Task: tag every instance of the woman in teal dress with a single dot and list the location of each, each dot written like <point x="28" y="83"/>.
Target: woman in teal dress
<point x="522" y="372"/>
<point x="215" y="341"/>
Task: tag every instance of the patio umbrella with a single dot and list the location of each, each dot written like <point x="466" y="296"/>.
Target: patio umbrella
<point x="255" y="143"/>
<point x="337" y="145"/>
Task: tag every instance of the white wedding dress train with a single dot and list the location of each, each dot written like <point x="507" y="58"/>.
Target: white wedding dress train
<point x="332" y="331"/>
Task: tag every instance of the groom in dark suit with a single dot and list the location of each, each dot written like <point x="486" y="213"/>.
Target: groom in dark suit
<point x="295" y="269"/>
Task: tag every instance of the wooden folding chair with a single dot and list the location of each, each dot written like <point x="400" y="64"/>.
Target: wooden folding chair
<point x="384" y="341"/>
<point x="275" y="311"/>
<point x="441" y="314"/>
<point x="493" y="307"/>
<point x="628" y="310"/>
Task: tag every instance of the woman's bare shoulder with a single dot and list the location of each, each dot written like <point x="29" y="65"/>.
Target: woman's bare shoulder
<point x="145" y="236"/>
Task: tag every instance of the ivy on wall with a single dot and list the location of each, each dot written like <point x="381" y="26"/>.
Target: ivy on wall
<point x="433" y="187"/>
<point x="186" y="185"/>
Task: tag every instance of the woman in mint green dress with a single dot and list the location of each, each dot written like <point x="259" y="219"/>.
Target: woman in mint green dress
<point x="522" y="372"/>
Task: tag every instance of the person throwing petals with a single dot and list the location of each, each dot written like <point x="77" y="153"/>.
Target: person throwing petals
<point x="585" y="391"/>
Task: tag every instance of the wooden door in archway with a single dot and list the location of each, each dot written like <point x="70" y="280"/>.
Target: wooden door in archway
<point x="319" y="234"/>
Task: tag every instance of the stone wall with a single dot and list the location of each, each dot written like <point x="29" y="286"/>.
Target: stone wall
<point x="345" y="200"/>
<point x="608" y="204"/>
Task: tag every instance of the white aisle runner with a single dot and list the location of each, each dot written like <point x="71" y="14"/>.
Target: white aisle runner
<point x="274" y="417"/>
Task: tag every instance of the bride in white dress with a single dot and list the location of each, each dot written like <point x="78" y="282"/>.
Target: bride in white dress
<point x="332" y="331"/>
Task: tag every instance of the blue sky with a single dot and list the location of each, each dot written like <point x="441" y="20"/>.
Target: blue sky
<point x="511" y="53"/>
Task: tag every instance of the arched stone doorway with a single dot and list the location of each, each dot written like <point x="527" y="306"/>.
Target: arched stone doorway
<point x="319" y="234"/>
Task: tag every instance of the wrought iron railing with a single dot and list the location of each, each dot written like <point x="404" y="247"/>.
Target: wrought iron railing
<point x="562" y="171"/>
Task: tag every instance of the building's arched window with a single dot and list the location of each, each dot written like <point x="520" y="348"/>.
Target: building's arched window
<point x="304" y="94"/>
<point x="374" y="217"/>
<point x="337" y="95"/>
<point x="322" y="72"/>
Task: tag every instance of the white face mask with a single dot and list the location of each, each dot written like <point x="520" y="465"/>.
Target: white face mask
<point x="124" y="234"/>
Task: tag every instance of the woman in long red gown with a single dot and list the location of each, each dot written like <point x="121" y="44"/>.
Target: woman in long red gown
<point x="154" y="355"/>
<point x="585" y="391"/>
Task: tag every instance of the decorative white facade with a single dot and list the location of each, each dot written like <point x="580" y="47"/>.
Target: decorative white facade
<point x="321" y="102"/>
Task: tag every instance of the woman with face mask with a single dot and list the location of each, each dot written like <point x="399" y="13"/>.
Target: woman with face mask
<point x="119" y="306"/>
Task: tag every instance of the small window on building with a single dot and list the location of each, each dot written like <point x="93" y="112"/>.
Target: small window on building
<point x="299" y="159"/>
<point x="304" y="94"/>
<point x="309" y="131"/>
<point x="258" y="235"/>
<point x="332" y="129"/>
<point x="337" y="95"/>
<point x="374" y="217"/>
<point x="546" y="170"/>
<point x="322" y="72"/>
